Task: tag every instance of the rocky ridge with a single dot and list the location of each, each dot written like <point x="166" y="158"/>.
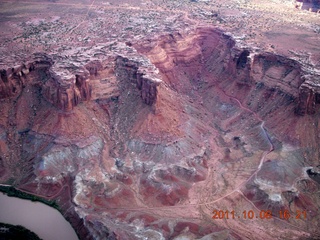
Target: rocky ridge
<point x="65" y="81"/>
<point x="174" y="116"/>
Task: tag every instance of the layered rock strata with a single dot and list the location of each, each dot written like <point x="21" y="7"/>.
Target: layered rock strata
<point x="65" y="86"/>
<point x="144" y="81"/>
<point x="309" y="95"/>
<point x="65" y="89"/>
<point x="213" y="138"/>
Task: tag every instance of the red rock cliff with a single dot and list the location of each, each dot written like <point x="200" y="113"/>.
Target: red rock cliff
<point x="66" y="90"/>
<point x="309" y="95"/>
<point x="62" y="84"/>
<point x="130" y="71"/>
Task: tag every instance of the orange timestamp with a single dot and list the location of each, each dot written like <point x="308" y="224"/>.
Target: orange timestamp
<point x="262" y="214"/>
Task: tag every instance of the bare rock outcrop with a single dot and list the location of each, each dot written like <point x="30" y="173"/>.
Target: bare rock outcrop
<point x="62" y="83"/>
<point x="13" y="79"/>
<point x="65" y="89"/>
<point x="214" y="135"/>
<point x="309" y="95"/>
<point x="10" y="84"/>
<point x="180" y="57"/>
<point x="94" y="67"/>
<point x="131" y="71"/>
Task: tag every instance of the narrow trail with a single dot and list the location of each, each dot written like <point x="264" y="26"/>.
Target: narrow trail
<point x="262" y="128"/>
<point x="262" y="125"/>
<point x="87" y="15"/>
<point x="32" y="193"/>
<point x="236" y="189"/>
<point x="52" y="197"/>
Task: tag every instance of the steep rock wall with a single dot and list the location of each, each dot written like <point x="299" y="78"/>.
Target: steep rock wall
<point x="309" y="93"/>
<point x="66" y="90"/>
<point x="62" y="84"/>
<point x="10" y="84"/>
<point x="13" y="79"/>
<point x="129" y="70"/>
<point x="203" y="59"/>
<point x="215" y="134"/>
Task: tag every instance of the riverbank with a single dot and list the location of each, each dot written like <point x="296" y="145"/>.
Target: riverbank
<point x="12" y="192"/>
<point x="39" y="218"/>
<point x="8" y="231"/>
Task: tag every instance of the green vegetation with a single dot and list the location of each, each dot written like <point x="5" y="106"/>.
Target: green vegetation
<point x="12" y="192"/>
<point x="11" y="232"/>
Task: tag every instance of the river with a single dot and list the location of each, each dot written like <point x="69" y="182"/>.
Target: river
<point x="39" y="218"/>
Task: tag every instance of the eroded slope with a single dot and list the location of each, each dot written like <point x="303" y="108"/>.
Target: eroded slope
<point x="148" y="139"/>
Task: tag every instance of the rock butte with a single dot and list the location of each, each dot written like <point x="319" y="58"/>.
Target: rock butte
<point x="144" y="138"/>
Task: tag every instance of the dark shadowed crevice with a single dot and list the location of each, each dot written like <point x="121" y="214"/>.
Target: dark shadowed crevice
<point x="314" y="175"/>
<point x="243" y="59"/>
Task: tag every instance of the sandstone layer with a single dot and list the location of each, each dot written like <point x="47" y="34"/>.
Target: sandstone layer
<point x="146" y="136"/>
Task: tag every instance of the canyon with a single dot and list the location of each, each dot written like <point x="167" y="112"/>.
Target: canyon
<point x="22" y="211"/>
<point x="150" y="127"/>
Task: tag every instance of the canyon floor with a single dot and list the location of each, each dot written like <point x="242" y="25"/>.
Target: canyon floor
<point x="165" y="119"/>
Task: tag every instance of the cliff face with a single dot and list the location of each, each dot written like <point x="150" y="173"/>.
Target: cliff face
<point x="10" y="84"/>
<point x="309" y="93"/>
<point x="201" y="61"/>
<point x="66" y="90"/>
<point x="130" y="71"/>
<point x="224" y="85"/>
<point x="63" y="88"/>
<point x="166" y="133"/>
<point x="277" y="72"/>
<point x="13" y="79"/>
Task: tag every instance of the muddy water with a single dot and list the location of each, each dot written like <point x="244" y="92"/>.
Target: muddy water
<point x="43" y="220"/>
